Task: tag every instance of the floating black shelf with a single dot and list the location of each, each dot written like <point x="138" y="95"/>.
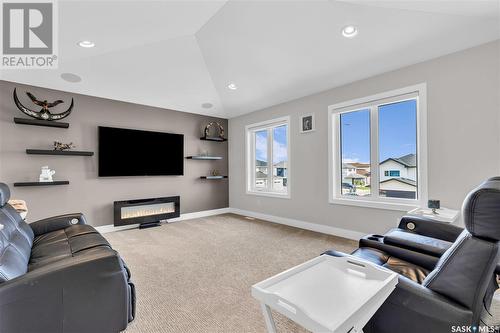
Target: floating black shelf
<point x="59" y="152"/>
<point x="212" y="177"/>
<point x="207" y="138"/>
<point x="58" y="182"/>
<point x="37" y="122"/>
<point x="204" y="158"/>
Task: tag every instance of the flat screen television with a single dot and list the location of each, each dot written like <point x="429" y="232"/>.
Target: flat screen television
<point x="126" y="152"/>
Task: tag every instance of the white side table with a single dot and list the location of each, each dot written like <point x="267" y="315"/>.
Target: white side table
<point x="326" y="294"/>
<point x="442" y="214"/>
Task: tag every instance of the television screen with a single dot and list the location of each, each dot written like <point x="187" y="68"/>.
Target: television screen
<point x="125" y="152"/>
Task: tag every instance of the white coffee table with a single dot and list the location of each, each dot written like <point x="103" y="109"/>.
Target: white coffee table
<point x="326" y="294"/>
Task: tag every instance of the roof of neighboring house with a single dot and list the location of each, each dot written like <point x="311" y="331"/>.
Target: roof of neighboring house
<point x="260" y="175"/>
<point x="363" y="172"/>
<point x="407" y="181"/>
<point x="282" y="164"/>
<point x="348" y="166"/>
<point x="354" y="175"/>
<point x="409" y="160"/>
<point x="360" y="165"/>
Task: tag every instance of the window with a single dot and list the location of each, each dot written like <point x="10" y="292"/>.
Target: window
<point x="268" y="156"/>
<point x="355" y="132"/>
<point x="392" y="173"/>
<point x="377" y="150"/>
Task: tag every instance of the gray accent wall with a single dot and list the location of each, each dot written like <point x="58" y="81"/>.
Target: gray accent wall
<point x="463" y="111"/>
<point x="87" y="192"/>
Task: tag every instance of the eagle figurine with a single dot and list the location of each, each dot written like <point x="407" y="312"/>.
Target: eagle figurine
<point x="44" y="113"/>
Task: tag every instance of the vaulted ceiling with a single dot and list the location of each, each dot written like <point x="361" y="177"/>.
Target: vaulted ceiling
<point x="183" y="54"/>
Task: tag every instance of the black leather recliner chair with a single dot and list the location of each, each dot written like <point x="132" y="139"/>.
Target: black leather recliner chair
<point x="439" y="290"/>
<point x="60" y="275"/>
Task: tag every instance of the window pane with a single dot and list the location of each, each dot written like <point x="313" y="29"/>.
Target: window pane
<point x="355" y="152"/>
<point x="261" y="162"/>
<point x="280" y="159"/>
<point x="398" y="149"/>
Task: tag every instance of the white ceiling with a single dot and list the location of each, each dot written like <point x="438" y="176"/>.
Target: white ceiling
<point x="181" y="54"/>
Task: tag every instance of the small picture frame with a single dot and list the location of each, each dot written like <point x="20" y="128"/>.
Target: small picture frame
<point x="307" y="123"/>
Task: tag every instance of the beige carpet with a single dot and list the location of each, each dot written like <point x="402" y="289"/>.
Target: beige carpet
<point x="195" y="276"/>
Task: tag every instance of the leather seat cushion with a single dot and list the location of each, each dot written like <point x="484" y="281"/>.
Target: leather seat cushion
<point x="409" y="270"/>
<point x="63" y="243"/>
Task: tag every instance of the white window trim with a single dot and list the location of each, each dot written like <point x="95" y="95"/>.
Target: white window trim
<point x="250" y="147"/>
<point x="334" y="170"/>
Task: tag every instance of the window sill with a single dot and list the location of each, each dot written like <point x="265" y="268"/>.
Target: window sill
<point x="404" y="207"/>
<point x="270" y="194"/>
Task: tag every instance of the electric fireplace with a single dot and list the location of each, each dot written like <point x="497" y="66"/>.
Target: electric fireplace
<point x="146" y="212"/>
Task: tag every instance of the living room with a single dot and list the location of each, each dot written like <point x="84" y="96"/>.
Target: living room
<point x="250" y="166"/>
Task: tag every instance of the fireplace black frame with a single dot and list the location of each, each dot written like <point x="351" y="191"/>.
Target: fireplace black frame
<point x="145" y="221"/>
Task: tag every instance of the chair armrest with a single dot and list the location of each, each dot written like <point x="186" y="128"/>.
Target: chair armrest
<point x="419" y="259"/>
<point x="413" y="308"/>
<point x="416" y="242"/>
<point x="56" y="222"/>
<point x="431" y="228"/>
<point x="84" y="293"/>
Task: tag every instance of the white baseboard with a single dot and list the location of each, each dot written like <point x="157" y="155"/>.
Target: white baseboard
<point x="188" y="216"/>
<point x="203" y="213"/>
<point x="104" y="229"/>
<point x="324" y="229"/>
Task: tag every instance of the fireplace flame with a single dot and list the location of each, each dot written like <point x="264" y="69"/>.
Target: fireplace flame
<point x="149" y="210"/>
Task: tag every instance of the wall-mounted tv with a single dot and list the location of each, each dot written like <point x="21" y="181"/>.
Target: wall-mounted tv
<point x="126" y="152"/>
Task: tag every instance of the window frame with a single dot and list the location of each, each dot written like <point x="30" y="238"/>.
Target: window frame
<point x="372" y="102"/>
<point x="250" y="157"/>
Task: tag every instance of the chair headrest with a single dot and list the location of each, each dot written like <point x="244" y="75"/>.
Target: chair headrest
<point x="481" y="210"/>
<point x="4" y="194"/>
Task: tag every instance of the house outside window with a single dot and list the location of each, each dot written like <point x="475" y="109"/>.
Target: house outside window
<point x="268" y="153"/>
<point x="377" y="149"/>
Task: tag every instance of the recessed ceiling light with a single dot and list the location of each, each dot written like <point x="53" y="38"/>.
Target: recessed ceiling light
<point x="70" y="77"/>
<point x="207" y="105"/>
<point x="86" y="43"/>
<point x="349" y="31"/>
<point x="232" y="86"/>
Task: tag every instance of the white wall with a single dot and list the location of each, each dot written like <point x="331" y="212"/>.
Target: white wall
<point x="463" y="138"/>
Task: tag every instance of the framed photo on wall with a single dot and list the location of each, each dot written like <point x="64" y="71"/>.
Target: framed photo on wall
<point x="307" y="123"/>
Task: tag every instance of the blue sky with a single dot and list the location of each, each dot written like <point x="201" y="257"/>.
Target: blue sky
<point x="397" y="132"/>
<point x="279" y="145"/>
<point x="261" y="145"/>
